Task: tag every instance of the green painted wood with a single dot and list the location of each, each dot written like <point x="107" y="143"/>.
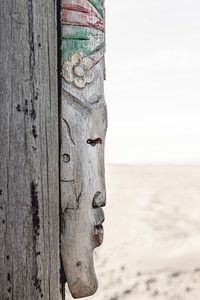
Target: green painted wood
<point x="81" y="39"/>
<point x="99" y="7"/>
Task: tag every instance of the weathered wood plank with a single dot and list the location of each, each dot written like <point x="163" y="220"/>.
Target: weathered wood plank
<point x="84" y="123"/>
<point x="29" y="187"/>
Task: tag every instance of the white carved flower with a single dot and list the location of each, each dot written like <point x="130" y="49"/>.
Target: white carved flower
<point x="78" y="70"/>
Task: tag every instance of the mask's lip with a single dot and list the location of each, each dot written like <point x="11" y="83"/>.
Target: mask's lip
<point x="98" y="233"/>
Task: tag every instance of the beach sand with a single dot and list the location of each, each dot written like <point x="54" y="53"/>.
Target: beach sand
<point x="151" y="247"/>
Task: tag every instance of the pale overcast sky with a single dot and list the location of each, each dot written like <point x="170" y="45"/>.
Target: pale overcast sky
<point x="153" y="81"/>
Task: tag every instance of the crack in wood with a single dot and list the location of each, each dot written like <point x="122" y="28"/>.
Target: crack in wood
<point x="36" y="232"/>
<point x="78" y="198"/>
<point x="69" y="180"/>
<point x="35" y="209"/>
<point x="31" y="39"/>
<point x="34" y="131"/>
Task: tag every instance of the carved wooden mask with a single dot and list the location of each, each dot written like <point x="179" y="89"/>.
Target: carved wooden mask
<point x="83" y="126"/>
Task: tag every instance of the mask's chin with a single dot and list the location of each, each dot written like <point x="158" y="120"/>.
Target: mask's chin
<point x="86" y="283"/>
<point x="78" y="244"/>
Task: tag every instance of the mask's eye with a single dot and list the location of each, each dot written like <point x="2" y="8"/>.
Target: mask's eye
<point x="94" y="142"/>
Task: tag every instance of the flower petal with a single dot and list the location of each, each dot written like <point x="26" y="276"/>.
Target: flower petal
<point x="78" y="70"/>
<point x="89" y="77"/>
<point x="87" y="62"/>
<point x="76" y="59"/>
<point x="67" y="71"/>
<point x="80" y="82"/>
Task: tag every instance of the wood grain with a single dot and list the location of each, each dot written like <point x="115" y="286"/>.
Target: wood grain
<point x="29" y="185"/>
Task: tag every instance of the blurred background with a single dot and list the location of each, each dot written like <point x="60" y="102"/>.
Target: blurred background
<point x="151" y="247"/>
<point x="152" y="86"/>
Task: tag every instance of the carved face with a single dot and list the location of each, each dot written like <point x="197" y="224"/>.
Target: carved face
<point x="84" y="126"/>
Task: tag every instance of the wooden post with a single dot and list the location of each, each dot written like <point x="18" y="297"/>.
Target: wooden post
<point x="29" y="155"/>
<point x="83" y="126"/>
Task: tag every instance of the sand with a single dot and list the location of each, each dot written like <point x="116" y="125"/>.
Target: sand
<point x="151" y="248"/>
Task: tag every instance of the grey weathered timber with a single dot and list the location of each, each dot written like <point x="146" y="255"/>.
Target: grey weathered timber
<point x="84" y="123"/>
<point x="29" y="155"/>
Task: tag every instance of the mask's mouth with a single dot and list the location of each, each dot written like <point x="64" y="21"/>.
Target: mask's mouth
<point x="98" y="233"/>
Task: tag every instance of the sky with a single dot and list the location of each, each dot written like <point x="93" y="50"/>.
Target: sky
<point x="153" y="81"/>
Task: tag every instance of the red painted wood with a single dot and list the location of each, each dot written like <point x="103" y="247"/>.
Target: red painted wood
<point x="81" y="6"/>
<point x="81" y="18"/>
